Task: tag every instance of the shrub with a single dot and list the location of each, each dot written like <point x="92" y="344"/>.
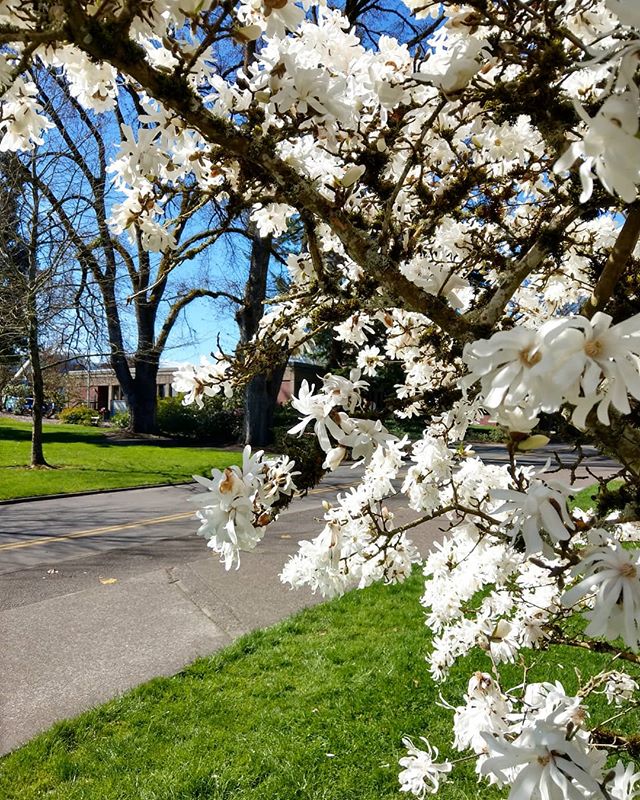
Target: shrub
<point x="484" y="433"/>
<point x="77" y="415"/>
<point x="215" y="422"/>
<point x="304" y="450"/>
<point x="121" y="419"/>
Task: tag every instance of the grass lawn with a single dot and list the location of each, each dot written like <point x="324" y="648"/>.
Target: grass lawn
<point x="585" y="498"/>
<point x="84" y="458"/>
<point x="312" y="709"/>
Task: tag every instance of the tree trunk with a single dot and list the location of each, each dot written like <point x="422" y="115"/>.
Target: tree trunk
<point x="261" y="393"/>
<point x="37" y="450"/>
<point x="142" y="401"/>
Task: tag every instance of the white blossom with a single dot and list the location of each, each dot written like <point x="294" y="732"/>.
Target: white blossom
<point x="612" y="575"/>
<point x="619" y="687"/>
<point x="421" y="774"/>
<point x="542" y="761"/>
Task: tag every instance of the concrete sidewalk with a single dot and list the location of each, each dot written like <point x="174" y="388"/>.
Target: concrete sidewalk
<point x="86" y="619"/>
<point x="144" y="612"/>
<point x="65" y="654"/>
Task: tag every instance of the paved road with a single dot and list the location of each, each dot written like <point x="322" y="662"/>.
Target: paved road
<point x="101" y="592"/>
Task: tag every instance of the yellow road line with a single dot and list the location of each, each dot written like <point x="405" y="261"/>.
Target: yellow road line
<point x="129" y="525"/>
<point x="95" y="531"/>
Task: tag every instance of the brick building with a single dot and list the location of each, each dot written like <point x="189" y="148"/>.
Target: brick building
<point x="99" y="389"/>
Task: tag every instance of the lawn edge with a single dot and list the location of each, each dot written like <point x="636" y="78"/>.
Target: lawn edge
<point x="59" y="495"/>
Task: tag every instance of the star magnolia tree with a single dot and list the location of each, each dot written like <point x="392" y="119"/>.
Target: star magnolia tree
<point x="469" y="202"/>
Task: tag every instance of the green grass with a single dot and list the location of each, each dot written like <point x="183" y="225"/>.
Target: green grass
<point x="84" y="458"/>
<point x="258" y="720"/>
<point x="585" y="498"/>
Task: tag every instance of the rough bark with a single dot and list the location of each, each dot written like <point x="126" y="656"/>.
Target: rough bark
<point x="142" y="402"/>
<point x="261" y="392"/>
<point x="37" y="448"/>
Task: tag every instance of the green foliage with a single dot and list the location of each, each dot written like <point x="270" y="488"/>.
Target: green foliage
<point x="484" y="433"/>
<point x="215" y="422"/>
<point x="121" y="420"/>
<point x="86" y="459"/>
<point x="591" y="496"/>
<point x="77" y="415"/>
<point x="413" y="428"/>
<point x="304" y="450"/>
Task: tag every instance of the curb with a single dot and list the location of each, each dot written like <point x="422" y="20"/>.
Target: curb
<point x="34" y="498"/>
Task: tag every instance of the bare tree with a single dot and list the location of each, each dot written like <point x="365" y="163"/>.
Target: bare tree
<point x="136" y="289"/>
<point x="36" y="275"/>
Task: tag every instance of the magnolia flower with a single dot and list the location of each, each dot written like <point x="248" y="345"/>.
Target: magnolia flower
<point x="439" y="280"/>
<point x="334" y="458"/>
<point x="235" y="512"/>
<point x="623" y="782"/>
<point x="22" y="125"/>
<point x="342" y="391"/>
<point x="485" y="710"/>
<point x="609" y="147"/>
<point x="511" y="369"/>
<point x="453" y="61"/>
<point x="421" y="775"/>
<point x="355" y="329"/>
<point x="548" y="702"/>
<point x="613" y="576"/>
<point x="370" y="360"/>
<point x="316" y="408"/>
<point x="522" y="420"/>
<point x="543" y="762"/>
<point x="278" y="480"/>
<point x="205" y="380"/>
<point x="272" y="218"/>
<point x="593" y="351"/>
<point x="542" y="508"/>
<point x="620" y="687"/>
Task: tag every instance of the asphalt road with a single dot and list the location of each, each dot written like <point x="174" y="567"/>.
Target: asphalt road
<point x="101" y="592"/>
<point x="55" y="531"/>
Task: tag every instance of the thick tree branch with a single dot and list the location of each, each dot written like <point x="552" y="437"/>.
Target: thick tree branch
<point x="182" y="303"/>
<point x="616" y="263"/>
<point x="112" y="44"/>
<point x="490" y="312"/>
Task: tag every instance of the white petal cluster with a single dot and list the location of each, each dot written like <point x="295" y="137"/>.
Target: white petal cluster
<point x="620" y="687"/>
<point x="612" y="579"/>
<point x="546" y="752"/>
<point x="337" y="432"/>
<point x="540" y="510"/>
<point x="205" y="380"/>
<point x="240" y="504"/>
<point x="22" y="123"/>
<point x="486" y="709"/>
<point x="358" y="544"/>
<point x="543" y="761"/>
<point x="423" y="180"/>
<point x="422" y="774"/>
<point x="609" y="148"/>
<point x="584" y="362"/>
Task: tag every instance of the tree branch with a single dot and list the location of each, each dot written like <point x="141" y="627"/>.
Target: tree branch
<point x="616" y="263"/>
<point x="256" y="150"/>
<point x="182" y="303"/>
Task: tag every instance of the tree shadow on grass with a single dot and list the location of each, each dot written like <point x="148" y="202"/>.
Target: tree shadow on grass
<point x="8" y="434"/>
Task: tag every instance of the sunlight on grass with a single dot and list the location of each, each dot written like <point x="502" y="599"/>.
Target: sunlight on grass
<point x="85" y="459"/>
<point x="314" y="708"/>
